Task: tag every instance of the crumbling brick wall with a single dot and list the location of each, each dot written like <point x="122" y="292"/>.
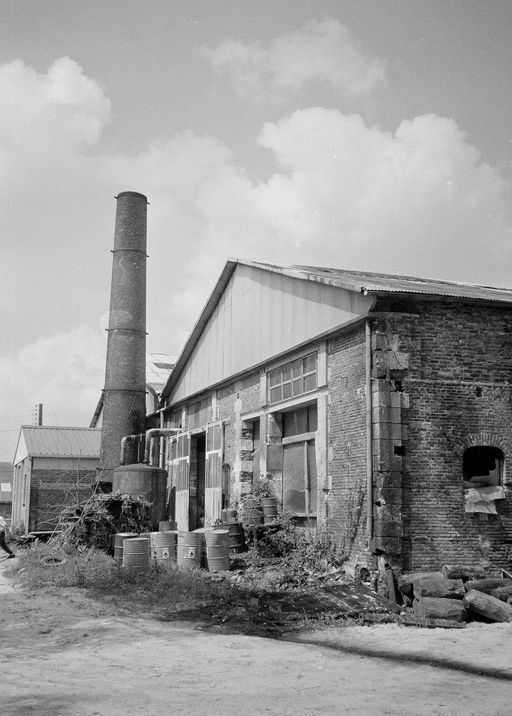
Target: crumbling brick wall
<point x="459" y="394"/>
<point x="347" y="442"/>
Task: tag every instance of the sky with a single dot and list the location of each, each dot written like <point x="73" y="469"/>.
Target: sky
<point x="358" y="134"/>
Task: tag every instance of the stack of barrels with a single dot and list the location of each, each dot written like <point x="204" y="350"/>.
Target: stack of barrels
<point x="135" y="552"/>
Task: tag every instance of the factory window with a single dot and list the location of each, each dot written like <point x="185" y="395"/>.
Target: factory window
<point x="482" y="466"/>
<point x="293" y="379"/>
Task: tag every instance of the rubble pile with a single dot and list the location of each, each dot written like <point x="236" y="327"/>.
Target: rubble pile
<point x="456" y="594"/>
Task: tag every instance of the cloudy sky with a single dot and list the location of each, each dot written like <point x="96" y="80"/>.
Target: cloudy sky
<point x="365" y="134"/>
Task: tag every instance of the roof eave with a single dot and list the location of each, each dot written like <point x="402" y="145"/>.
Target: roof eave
<point x="204" y="316"/>
<point x="427" y="295"/>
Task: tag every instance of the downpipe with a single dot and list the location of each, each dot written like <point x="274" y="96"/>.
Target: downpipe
<point x="369" y="466"/>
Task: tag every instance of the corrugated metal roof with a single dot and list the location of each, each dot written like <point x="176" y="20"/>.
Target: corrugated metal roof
<point x="375" y="283"/>
<point x="46" y="440"/>
<point x="358" y="281"/>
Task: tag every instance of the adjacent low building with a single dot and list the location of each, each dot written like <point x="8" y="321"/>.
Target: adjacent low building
<point x="53" y="467"/>
<point x="379" y="405"/>
<point x="6" y="489"/>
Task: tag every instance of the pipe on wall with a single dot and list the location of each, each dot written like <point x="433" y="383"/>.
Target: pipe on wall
<point x="153" y="433"/>
<point x="369" y="466"/>
<point x="124" y="445"/>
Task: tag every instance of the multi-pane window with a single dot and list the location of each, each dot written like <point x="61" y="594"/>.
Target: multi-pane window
<point x="292" y="379"/>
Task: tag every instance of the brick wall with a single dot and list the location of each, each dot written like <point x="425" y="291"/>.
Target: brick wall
<point x="457" y="382"/>
<point x="51" y="490"/>
<point x="347" y="442"/>
<point x="233" y="400"/>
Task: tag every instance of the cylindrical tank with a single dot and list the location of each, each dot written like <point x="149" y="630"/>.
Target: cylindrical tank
<point x="146" y="481"/>
<point x="124" y="395"/>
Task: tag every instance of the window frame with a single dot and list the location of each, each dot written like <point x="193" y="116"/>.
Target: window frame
<point x="286" y="376"/>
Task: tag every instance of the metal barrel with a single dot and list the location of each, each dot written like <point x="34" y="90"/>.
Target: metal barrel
<point x="163" y="546"/>
<point x="190" y="545"/>
<point x="136" y="555"/>
<point x="118" y="544"/>
<point x="269" y="507"/>
<point x="217" y="550"/>
<point x="228" y="516"/>
<point x="236" y="536"/>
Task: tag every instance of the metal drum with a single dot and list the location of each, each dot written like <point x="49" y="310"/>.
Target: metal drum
<point x="269" y="507"/>
<point x="236" y="536"/>
<point x="118" y="544"/>
<point x="217" y="550"/>
<point x="190" y="547"/>
<point x="163" y="546"/>
<point x="136" y="555"/>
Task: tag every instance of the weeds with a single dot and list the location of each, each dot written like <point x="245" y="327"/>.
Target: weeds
<point x="302" y="548"/>
<point x="54" y="565"/>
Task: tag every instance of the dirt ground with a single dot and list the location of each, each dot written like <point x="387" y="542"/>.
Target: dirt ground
<point x="64" y="653"/>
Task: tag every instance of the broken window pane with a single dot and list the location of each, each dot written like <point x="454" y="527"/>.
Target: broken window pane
<point x="482" y="466"/>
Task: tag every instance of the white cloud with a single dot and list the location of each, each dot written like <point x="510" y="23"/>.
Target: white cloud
<point x="64" y="372"/>
<point x="418" y="200"/>
<point x="322" y="51"/>
<point x="62" y="106"/>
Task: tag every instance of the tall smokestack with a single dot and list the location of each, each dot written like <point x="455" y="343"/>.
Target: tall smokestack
<point x="124" y="395"/>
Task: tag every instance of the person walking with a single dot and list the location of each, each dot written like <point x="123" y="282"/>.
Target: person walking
<point x="3" y="543"/>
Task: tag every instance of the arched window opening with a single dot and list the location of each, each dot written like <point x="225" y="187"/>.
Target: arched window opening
<point x="482" y="466"/>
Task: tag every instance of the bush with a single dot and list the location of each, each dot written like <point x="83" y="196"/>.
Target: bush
<point x="302" y="547"/>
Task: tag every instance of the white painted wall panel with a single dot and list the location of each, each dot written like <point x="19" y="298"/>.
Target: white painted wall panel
<point x="262" y="314"/>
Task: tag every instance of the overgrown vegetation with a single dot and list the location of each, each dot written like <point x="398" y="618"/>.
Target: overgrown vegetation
<point x="301" y="547"/>
<point x="288" y="562"/>
<point x="53" y="564"/>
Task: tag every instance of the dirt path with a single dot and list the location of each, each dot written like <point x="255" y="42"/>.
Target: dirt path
<point x="63" y="653"/>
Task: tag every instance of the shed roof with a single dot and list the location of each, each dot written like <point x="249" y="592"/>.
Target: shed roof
<point x="56" y="441"/>
<point x="363" y="282"/>
<point x="375" y="283"/>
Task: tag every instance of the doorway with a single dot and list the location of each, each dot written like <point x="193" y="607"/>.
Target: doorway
<point x="197" y="481"/>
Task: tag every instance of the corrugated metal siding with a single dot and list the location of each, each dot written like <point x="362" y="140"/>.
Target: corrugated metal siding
<point x="62" y="442"/>
<point x="262" y="314"/>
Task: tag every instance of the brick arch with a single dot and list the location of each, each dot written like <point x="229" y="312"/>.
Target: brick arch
<point x="494" y="439"/>
<point x="491" y="439"/>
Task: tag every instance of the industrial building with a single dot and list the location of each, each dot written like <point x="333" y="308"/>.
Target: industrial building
<point x="5" y="489"/>
<point x="53" y="467"/>
<point x="379" y="405"/>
